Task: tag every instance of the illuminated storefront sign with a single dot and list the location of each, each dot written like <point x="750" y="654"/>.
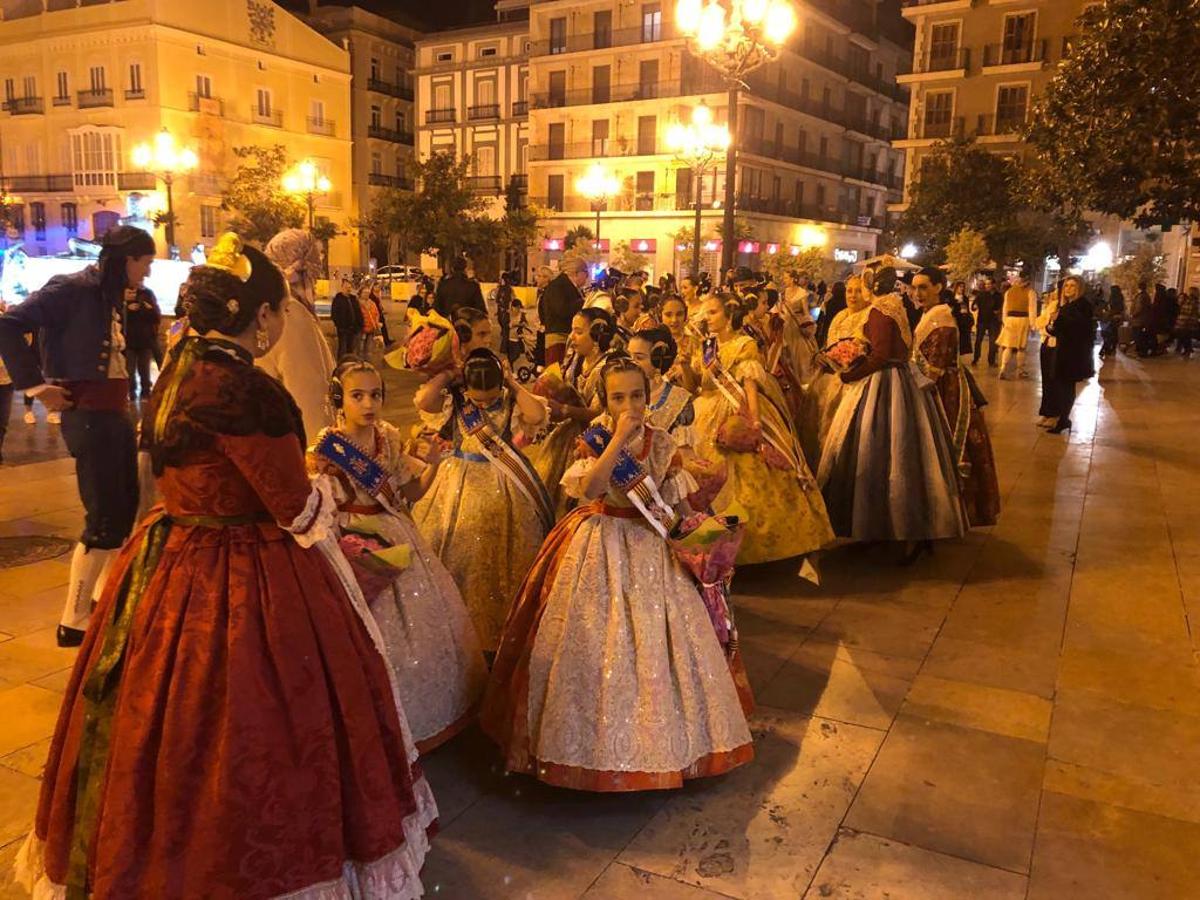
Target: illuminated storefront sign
<point x="842" y="255"/>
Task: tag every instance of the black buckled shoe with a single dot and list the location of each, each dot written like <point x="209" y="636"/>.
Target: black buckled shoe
<point x="69" y="637"/>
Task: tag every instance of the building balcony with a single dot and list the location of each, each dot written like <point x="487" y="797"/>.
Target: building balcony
<point x="95" y="99"/>
<point x="320" y="126"/>
<point x="390" y="134"/>
<point x="39" y="184"/>
<point x="61" y="101"/>
<point x="914" y="8"/>
<point x="378" y="179"/>
<point x="137" y="181"/>
<point x="483" y="112"/>
<point x="1000" y="126"/>
<point x="520" y="108"/>
<point x="1031" y="54"/>
<point x="952" y="62"/>
<point x="402" y="91"/>
<point x="271" y="117"/>
<point x="435" y="116"/>
<point x="25" y="106"/>
<point x="135" y="94"/>
<point x="630" y="92"/>
<point x="484" y="184"/>
<point x="603" y="40"/>
<point x="521" y="181"/>
<point x="597" y="148"/>
<point x="209" y="106"/>
<point x="797" y="156"/>
<point x="925" y="130"/>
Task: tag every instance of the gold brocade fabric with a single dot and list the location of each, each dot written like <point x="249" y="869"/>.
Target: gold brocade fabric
<point x="784" y="518"/>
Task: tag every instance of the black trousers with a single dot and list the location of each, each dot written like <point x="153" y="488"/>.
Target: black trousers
<point x="6" y="399"/>
<point x="105" y="452"/>
<point x="348" y="343"/>
<point x="137" y="360"/>
<point x="990" y="330"/>
<point x="1062" y="398"/>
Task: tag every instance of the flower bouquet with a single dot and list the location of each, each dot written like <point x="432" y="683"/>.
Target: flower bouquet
<point x="738" y="435"/>
<point x="432" y="345"/>
<point x="710" y="477"/>
<point x="844" y="354"/>
<point x="551" y="385"/>
<point x="374" y="562"/>
<point x="707" y="546"/>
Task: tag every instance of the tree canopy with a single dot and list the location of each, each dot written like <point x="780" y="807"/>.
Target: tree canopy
<point x="1118" y="128"/>
<point x="261" y="207"/>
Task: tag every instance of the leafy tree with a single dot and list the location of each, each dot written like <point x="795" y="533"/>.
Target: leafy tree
<point x="810" y="261"/>
<point x="574" y="234"/>
<point x="582" y="247"/>
<point x="325" y="231"/>
<point x="255" y="195"/>
<point x="1118" y="128"/>
<point x="1145" y="266"/>
<point x="966" y="254"/>
<point x="625" y="259"/>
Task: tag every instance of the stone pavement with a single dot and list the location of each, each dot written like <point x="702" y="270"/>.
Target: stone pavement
<point x="1017" y="716"/>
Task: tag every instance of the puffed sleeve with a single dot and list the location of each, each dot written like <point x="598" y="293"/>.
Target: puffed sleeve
<point x="747" y="363"/>
<point x="435" y="421"/>
<point x="403" y="467"/>
<point x="577" y="473"/>
<point x="675" y="483"/>
<point x="530" y="429"/>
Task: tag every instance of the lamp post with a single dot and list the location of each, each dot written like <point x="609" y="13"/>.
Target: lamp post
<point x="734" y="37"/>
<point x="166" y="160"/>
<point x="696" y="145"/>
<point x="305" y="179"/>
<point x="597" y="185"/>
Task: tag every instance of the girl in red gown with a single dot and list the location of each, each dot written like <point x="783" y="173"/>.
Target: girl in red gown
<point x="230" y="729"/>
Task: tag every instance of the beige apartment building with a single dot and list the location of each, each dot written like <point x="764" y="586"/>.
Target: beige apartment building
<point x="472" y="99"/>
<point x="816" y="166"/>
<point x="382" y="108"/>
<point x="977" y="67"/>
<point x="85" y="84"/>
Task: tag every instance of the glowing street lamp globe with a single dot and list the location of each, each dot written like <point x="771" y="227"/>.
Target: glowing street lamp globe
<point x="164" y="157"/>
<point x="306" y="179"/>
<point x="597" y="185"/>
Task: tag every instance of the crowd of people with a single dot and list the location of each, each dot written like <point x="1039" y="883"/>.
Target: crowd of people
<point x="283" y="601"/>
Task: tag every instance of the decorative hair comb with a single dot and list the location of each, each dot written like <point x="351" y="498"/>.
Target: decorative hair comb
<point x="227" y="255"/>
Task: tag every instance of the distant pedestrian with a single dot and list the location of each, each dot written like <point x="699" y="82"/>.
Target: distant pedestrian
<point x="347" y="319"/>
<point x="1187" y="323"/>
<point x="834" y="304"/>
<point x="1111" y="320"/>
<point x="1020" y="310"/>
<point x="142" y="318"/>
<point x="370" y="321"/>
<point x="986" y="303"/>
<point x="559" y="303"/>
<point x="458" y="290"/>
<point x="1074" y="330"/>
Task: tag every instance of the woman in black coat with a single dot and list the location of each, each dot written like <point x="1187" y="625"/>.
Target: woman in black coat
<point x="1074" y="330"/>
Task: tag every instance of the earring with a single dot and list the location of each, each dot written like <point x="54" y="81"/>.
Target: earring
<point x="261" y="340"/>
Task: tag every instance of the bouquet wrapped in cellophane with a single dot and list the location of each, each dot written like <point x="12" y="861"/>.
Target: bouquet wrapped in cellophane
<point x="374" y="561"/>
<point x="707" y="547"/>
<point x="844" y="354"/>
<point x="551" y="385"/>
<point x="432" y="345"/>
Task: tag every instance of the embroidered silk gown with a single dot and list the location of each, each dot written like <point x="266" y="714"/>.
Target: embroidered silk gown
<point x="479" y="522"/>
<point x="610" y="676"/>
<point x="823" y="392"/>
<point x="887" y="467"/>
<point x="785" y="512"/>
<point x="936" y="353"/>
<point x="230" y="716"/>
<point x="428" y="636"/>
<point x="553" y="451"/>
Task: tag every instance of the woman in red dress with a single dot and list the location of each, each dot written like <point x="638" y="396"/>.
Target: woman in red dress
<point x="230" y="729"/>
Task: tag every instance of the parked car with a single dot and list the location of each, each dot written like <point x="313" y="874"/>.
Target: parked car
<point x="398" y="273"/>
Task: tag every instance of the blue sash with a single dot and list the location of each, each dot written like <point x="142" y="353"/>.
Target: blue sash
<point x="361" y="468"/>
<point x="632" y="479"/>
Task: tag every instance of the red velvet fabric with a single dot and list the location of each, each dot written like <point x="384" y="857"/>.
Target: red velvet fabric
<point x="255" y="742"/>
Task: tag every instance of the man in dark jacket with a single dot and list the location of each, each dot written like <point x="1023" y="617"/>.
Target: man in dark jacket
<point x="457" y="291"/>
<point x="986" y="303"/>
<point x="347" y="319"/>
<point x="142" y="318"/>
<point x="82" y="326"/>
<point x="559" y="303"/>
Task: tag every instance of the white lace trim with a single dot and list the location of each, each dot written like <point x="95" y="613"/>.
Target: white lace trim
<point x="316" y="521"/>
<point x="394" y="876"/>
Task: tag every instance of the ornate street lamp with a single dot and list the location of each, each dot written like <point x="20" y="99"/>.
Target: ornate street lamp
<point x="166" y="160"/>
<point x="597" y="185"/>
<point x="306" y="179"/>
<point x="735" y="37"/>
<point x="697" y="145"/>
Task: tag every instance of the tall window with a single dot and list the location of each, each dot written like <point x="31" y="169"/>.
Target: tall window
<point x="263" y="101"/>
<point x="651" y="22"/>
<point x="1018" y="38"/>
<point x="376" y="116"/>
<point x="30" y="85"/>
<point x="939" y="107"/>
<point x="558" y="35"/>
<point x="554" y="192"/>
<point x="858" y="59"/>
<point x="557" y="141"/>
<point x="647" y="135"/>
<point x="61" y="85"/>
<point x="208" y="221"/>
<point x="10" y="89"/>
<point x="37" y="215"/>
<point x="442" y="97"/>
<point x="648" y="79"/>
<point x="601" y="84"/>
<point x="485" y="160"/>
<point x="376" y="163"/>
<point x="374" y="69"/>
<point x="401" y="121"/>
<point x="135" y="78"/>
<point x="98" y="79"/>
<point x="943" y="46"/>
<point x="602" y="29"/>
<point x="600" y="137"/>
<point x="95" y="156"/>
<point x="558" y="88"/>
<point x="644" y="199"/>
<point x="1011" y="103"/>
<point x="203" y="86"/>
<point x="316" y="112"/>
<point x="70" y="218"/>
<point x="485" y="92"/>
